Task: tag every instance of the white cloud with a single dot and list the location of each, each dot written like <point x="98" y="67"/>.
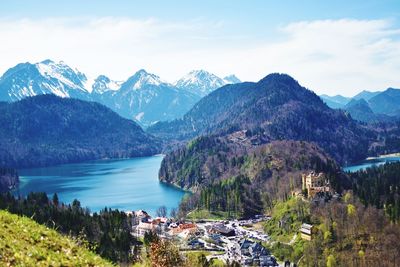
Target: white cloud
<point x="328" y="56"/>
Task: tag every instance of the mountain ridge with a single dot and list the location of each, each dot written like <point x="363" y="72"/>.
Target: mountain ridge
<point x="275" y="108"/>
<point x="167" y="100"/>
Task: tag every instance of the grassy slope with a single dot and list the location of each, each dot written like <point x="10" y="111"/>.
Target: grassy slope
<point x="26" y="243"/>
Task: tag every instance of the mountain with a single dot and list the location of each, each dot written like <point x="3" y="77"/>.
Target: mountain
<point x="103" y="84"/>
<point x="336" y="101"/>
<point x="367" y="95"/>
<point x="274" y="108"/>
<point x="143" y="97"/>
<point x="386" y="102"/>
<point x="46" y="77"/>
<point x="360" y="110"/>
<point x="231" y="79"/>
<point x="147" y="99"/>
<point x="201" y="82"/>
<point x="47" y="130"/>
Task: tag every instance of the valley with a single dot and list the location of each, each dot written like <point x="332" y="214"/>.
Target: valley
<point x="235" y="165"/>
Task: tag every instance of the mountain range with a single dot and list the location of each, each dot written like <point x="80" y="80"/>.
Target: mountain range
<point x="368" y="106"/>
<point x="143" y="97"/>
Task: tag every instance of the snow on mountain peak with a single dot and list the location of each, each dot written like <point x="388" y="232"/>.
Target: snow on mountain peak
<point x="200" y="82"/>
<point x="63" y="73"/>
<point x="103" y="84"/>
<point x="142" y="78"/>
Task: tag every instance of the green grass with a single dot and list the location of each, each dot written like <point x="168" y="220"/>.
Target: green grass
<point x="23" y="242"/>
<point x="192" y="257"/>
<point x="205" y="214"/>
<point x="288" y="211"/>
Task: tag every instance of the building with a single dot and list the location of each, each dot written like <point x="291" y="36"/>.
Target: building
<point x="184" y="230"/>
<point x="306" y="231"/>
<point x="315" y="183"/>
<point x="139" y="216"/>
<point x="220" y="228"/>
<point x="144" y="227"/>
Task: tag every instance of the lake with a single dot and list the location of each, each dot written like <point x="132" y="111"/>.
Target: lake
<point x="370" y="162"/>
<point x="124" y="184"/>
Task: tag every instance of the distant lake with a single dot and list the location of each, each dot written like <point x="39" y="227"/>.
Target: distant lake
<point x="370" y="162"/>
<point x="127" y="184"/>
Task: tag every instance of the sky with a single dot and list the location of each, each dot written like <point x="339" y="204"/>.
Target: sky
<point x="330" y="47"/>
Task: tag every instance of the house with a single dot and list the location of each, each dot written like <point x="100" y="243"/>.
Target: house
<point x="146" y="224"/>
<point x="184" y="230"/>
<point x="257" y="250"/>
<point x="219" y="228"/>
<point x="140" y="216"/>
<point x="244" y="247"/>
<point x="306" y="231"/>
<point x="144" y="227"/>
<point x="195" y="244"/>
<point x="315" y="183"/>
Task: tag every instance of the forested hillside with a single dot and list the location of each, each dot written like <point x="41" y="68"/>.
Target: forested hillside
<point x="227" y="176"/>
<point x="275" y="108"/>
<point x="8" y="179"/>
<point x="380" y="187"/>
<point x="47" y="130"/>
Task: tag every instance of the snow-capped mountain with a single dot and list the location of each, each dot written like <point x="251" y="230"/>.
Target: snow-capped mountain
<point x="148" y="99"/>
<point x="46" y="77"/>
<point x="144" y="97"/>
<point x="202" y="82"/>
<point x="104" y="84"/>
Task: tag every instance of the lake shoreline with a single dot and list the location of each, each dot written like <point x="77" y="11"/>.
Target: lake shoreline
<point x="123" y="184"/>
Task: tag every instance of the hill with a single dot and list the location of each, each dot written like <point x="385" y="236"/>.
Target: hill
<point x="208" y="159"/>
<point x="225" y="176"/>
<point x="275" y="108"/>
<point x="26" y="243"/>
<point x="367" y="95"/>
<point x="360" y="110"/>
<point x="47" y="130"/>
<point x="387" y="102"/>
<point x="336" y="101"/>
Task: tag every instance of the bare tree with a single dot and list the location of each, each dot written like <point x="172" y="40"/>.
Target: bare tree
<point x="162" y="211"/>
<point x="173" y="213"/>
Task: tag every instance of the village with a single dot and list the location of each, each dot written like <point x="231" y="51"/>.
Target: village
<point x="228" y="240"/>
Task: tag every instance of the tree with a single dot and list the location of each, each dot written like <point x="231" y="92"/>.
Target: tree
<point x="173" y="213"/>
<point x="162" y="211"/>
<point x="165" y="254"/>
<point x="331" y="262"/>
<point x="55" y="199"/>
<point x="150" y="237"/>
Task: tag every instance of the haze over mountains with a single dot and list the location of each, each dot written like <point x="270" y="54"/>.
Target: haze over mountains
<point x="368" y="106"/>
<point x="143" y="97"/>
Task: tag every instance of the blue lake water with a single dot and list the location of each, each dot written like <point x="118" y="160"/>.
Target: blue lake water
<point x="369" y="163"/>
<point x="128" y="184"/>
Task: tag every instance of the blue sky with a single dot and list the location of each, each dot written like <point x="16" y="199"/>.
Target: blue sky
<point x="341" y="47"/>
